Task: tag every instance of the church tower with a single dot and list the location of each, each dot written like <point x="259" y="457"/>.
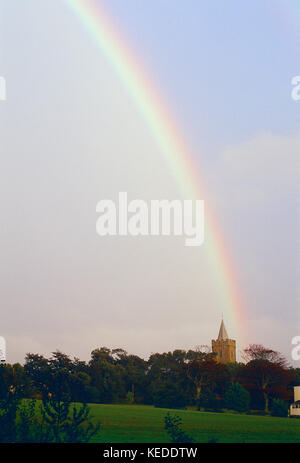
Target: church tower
<point x="223" y="347"/>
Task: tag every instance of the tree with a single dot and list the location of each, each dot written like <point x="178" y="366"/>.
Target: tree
<point x="203" y="370"/>
<point x="64" y="422"/>
<point x="106" y="376"/>
<point x="176" y="433"/>
<point x="237" y="398"/>
<point x="57" y="422"/>
<point x="265" y="372"/>
<point x="8" y="411"/>
<point x="13" y="377"/>
<point x="296" y="372"/>
<point x="61" y="374"/>
<point x="37" y="369"/>
<point x="169" y="367"/>
<point x="168" y="395"/>
<point x="279" y="408"/>
<point x="135" y="370"/>
<point x="209" y="400"/>
<point x="235" y="371"/>
<point x="259" y="352"/>
<point x="80" y="387"/>
<point x="4" y="382"/>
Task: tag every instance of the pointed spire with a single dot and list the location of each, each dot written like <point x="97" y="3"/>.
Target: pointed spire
<point x="222" y="333"/>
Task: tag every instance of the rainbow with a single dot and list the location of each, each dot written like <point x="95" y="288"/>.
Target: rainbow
<point x="182" y="164"/>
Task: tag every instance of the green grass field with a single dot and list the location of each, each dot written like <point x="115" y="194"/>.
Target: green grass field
<point x="137" y="423"/>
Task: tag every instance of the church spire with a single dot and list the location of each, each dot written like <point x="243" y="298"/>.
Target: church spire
<point x="222" y="333"/>
<point x="223" y="347"/>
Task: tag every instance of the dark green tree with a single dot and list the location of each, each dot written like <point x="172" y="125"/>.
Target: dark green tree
<point x="170" y="367"/>
<point x="279" y="408"/>
<point x="135" y="370"/>
<point x="8" y="413"/>
<point x="168" y="395"/>
<point x="66" y="422"/>
<point x="174" y="430"/>
<point x="209" y="400"/>
<point x="107" y="376"/>
<point x="57" y="421"/>
<point x="237" y="398"/>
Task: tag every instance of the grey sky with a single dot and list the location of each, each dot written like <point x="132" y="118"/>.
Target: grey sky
<point x="70" y="135"/>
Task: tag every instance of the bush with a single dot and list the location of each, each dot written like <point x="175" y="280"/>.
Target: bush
<point x="237" y="398"/>
<point x="279" y="408"/>
<point x="66" y="422"/>
<point x="173" y="428"/>
<point x="59" y="421"/>
<point x="257" y="400"/>
<point x="168" y="396"/>
<point x="27" y="425"/>
<point x="8" y="412"/>
<point x="209" y="401"/>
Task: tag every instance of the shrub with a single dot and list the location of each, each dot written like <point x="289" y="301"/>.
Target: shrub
<point x="19" y="421"/>
<point x="168" y="396"/>
<point x="209" y="401"/>
<point x="8" y="412"/>
<point x="279" y="408"/>
<point x="237" y="398"/>
<point x="61" y="423"/>
<point x="173" y="428"/>
<point x="27" y="425"/>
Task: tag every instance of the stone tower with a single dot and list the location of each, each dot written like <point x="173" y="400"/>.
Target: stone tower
<point x="223" y="347"/>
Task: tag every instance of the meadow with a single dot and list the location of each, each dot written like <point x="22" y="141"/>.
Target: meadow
<point x="139" y="423"/>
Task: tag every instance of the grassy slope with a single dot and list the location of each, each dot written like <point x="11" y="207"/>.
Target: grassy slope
<point x="130" y="423"/>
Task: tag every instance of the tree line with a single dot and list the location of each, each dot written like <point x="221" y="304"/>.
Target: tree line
<point x="171" y="380"/>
